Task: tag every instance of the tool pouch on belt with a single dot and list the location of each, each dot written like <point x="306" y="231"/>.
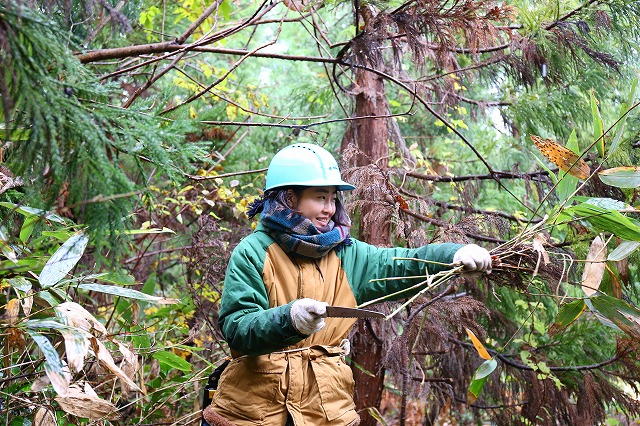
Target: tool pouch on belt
<point x="211" y="386"/>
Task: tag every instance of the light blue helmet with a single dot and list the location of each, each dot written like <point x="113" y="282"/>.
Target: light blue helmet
<point x="304" y="164"/>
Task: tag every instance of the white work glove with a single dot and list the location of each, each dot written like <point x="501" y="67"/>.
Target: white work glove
<point x="474" y="258"/>
<point x="307" y="315"/>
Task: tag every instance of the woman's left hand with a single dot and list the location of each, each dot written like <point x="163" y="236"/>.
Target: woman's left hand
<point x="474" y="258"/>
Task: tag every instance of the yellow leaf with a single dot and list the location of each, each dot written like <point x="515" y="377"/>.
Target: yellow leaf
<point x="13" y="309"/>
<point x="232" y="112"/>
<point x="482" y="351"/>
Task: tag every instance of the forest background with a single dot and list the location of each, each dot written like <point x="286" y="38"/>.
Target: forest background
<point x="134" y="133"/>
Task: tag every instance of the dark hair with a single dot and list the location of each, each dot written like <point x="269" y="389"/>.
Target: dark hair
<point x="279" y="195"/>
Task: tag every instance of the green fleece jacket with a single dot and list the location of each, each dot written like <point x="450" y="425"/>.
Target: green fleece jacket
<point x="262" y="282"/>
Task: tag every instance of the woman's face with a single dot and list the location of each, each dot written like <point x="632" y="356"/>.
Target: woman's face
<point x="316" y="203"/>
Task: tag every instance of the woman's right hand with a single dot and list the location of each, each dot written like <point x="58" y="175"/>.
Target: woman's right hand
<point x="307" y="315"/>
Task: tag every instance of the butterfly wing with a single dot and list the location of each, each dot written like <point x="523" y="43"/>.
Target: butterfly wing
<point x="562" y="157"/>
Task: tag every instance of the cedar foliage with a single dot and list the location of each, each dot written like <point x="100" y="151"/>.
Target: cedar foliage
<point x="83" y="155"/>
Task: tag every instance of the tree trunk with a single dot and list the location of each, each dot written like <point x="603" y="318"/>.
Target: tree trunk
<point x="371" y="138"/>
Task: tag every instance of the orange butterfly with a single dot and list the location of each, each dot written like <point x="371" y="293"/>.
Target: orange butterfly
<point x="562" y="157"/>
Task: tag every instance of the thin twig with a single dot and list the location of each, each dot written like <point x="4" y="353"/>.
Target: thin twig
<point x="221" y="78"/>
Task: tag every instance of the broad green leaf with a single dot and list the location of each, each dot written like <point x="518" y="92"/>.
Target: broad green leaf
<point x="140" y="338"/>
<point x="36" y="324"/>
<point x="48" y="297"/>
<point x="53" y="367"/>
<point x="7" y="250"/>
<point x="598" y="126"/>
<point x="623" y="315"/>
<point x="567" y="183"/>
<point x="118" y="278"/>
<point x="621" y="177"/>
<point x="624" y="113"/>
<point x="60" y="235"/>
<point x="607" y="203"/>
<point x="81" y="278"/>
<point x="23" y="265"/>
<point x="624" y="250"/>
<point x="53" y="296"/>
<point x="224" y="9"/>
<point x="482" y="351"/>
<point x="568" y="313"/>
<point x="594" y="267"/>
<point x="485" y="369"/>
<point x="607" y="220"/>
<point x="552" y="175"/>
<point x="172" y="360"/>
<point x="20" y="283"/>
<point x="27" y="227"/>
<point x="127" y="292"/>
<point x="479" y="378"/>
<point x="63" y="260"/>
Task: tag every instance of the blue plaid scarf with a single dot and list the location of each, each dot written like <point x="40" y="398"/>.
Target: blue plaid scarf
<point x="296" y="234"/>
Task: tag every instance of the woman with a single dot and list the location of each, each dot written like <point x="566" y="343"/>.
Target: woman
<point x="288" y="364"/>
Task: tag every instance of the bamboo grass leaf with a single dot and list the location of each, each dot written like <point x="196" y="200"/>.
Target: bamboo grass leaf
<point x="128" y="293"/>
<point x="169" y="359"/>
<point x="624" y="250"/>
<point x="479" y="378"/>
<point x="598" y="126"/>
<point x="621" y="177"/>
<point x="607" y="220"/>
<point x="594" y="267"/>
<point x="63" y="260"/>
<point x="482" y="351"/>
<point x="567" y="314"/>
<point x="86" y="403"/>
<point x="624" y="113"/>
<point x="622" y="314"/>
<point x="60" y="379"/>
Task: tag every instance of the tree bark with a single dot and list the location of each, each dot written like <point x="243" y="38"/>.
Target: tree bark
<point x="370" y="135"/>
